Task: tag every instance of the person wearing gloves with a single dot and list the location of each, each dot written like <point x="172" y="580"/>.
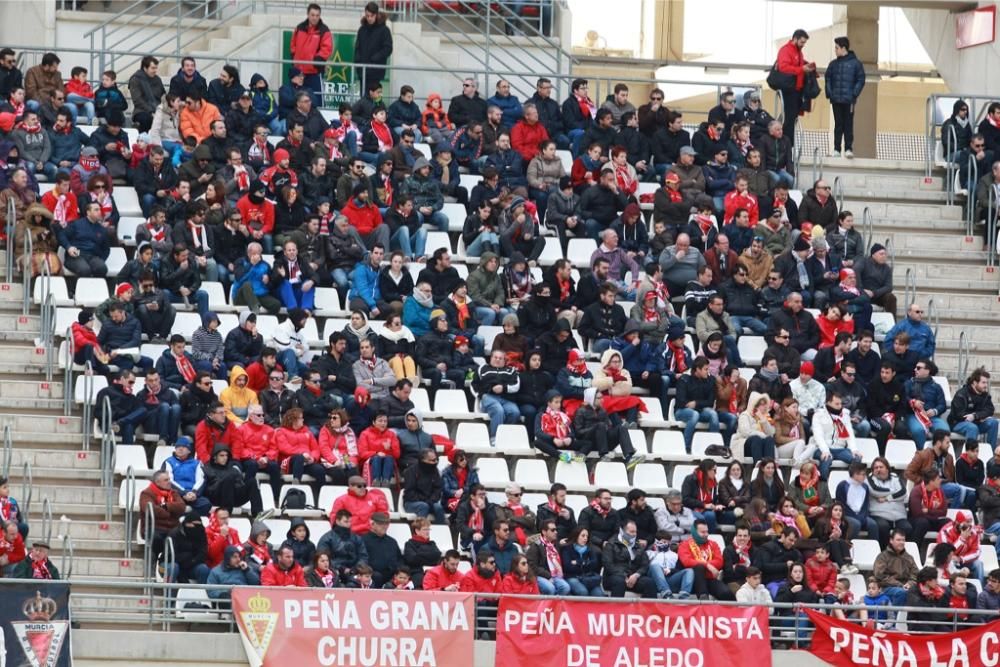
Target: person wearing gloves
<point x="832" y="436"/>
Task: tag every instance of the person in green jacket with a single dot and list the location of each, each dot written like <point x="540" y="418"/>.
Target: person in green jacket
<point x="37" y="565"/>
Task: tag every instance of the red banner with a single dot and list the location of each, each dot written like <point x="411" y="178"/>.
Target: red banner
<point x="846" y="644"/>
<point x="310" y="626"/>
<point x="641" y="634"/>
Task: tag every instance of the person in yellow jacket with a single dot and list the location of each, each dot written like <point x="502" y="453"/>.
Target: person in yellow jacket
<point x="237" y="397"/>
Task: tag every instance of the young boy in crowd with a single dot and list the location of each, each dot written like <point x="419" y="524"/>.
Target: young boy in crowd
<point x="79" y="93"/>
<point x="400" y="580"/>
<point x="109" y="97"/>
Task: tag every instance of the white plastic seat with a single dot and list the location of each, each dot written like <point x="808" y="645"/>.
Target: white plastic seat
<point x="218" y="386"/>
<point x="551" y="253"/>
<point x="279" y="530"/>
<point x="127" y="227"/>
<point x="611" y="475"/>
<point x="134" y="456"/>
<point x="123" y="493"/>
<point x="469" y="181"/>
<point x="434" y="428"/>
<point x="216" y="295"/>
<point x="162" y="453"/>
<point x="942" y="382"/>
<point x="751" y="349"/>
<point x="579" y="251"/>
<point x="79" y="390"/>
<point x="441" y="536"/>
<point x="185" y="324"/>
<point x="653" y="418"/>
<point x="493" y="473"/>
<point x="575" y="502"/>
<point x="91" y="292"/>
<point x="532" y="474"/>
<point x="835" y="478"/>
<point x="638" y="438"/>
<point x="899" y="453"/>
<point x="57" y="288"/>
<point x="421" y="400"/>
<point x="451" y="404"/>
<point x="194" y="596"/>
<point x="679" y="473"/>
<point x="437" y="240"/>
<point x="912" y="549"/>
<point x="567" y="159"/>
<point x="881" y="323"/>
<point x="331" y="326"/>
<point x="868" y="448"/>
<point x="266" y="324"/>
<point x="400" y="532"/>
<point x="327" y="495"/>
<point x="488" y="333"/>
<point x="574" y="475"/>
<point x="651" y="478"/>
<point x="310" y="500"/>
<point x="328" y="302"/>
<point x="425" y="149"/>
<point x="116" y="261"/>
<point x="512" y="439"/>
<point x="669" y="446"/>
<point x="702" y="440"/>
<point x="864" y="553"/>
<point x="474" y="438"/>
<point x="127" y="200"/>
<point x="456" y="219"/>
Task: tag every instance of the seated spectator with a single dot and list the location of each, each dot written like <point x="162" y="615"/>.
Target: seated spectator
<point x="225" y="485"/>
<point x="372" y="372"/>
<point x="298" y="451"/>
<point x="346" y="547"/>
<point x="338" y="448"/>
<point x="420" y="553"/>
<point x="244" y="345"/>
<point x="926" y="402"/>
<point x="293" y="281"/>
<point x="423" y="486"/>
<point x="696" y="396"/>
<point x="972" y="409"/>
<point x="755" y="433"/>
<point x="208" y="348"/>
<point x="990" y="597"/>
<point x="626" y="564"/>
<point x="237" y="398"/>
<point x="283" y="570"/>
<point x="545" y="560"/>
<point x="483" y="577"/>
<point x="378" y="449"/>
<point x="927" y="505"/>
<point x="180" y="279"/>
<point x="895" y="571"/>
<point x="962" y="534"/>
<point x="37" y="564"/>
<point x="190" y="551"/>
<point x="458" y="479"/>
<point x="185" y="474"/>
<point x="163" y="410"/>
<point x="233" y="570"/>
<point x="929" y="595"/>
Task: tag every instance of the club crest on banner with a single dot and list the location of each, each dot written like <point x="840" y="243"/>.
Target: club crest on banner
<point x="259" y="623"/>
<point x="40" y="638"/>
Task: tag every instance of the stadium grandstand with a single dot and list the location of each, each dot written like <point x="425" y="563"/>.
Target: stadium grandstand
<point x="415" y="297"/>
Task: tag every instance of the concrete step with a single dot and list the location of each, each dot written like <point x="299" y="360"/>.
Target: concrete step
<point x="881" y="181"/>
<point x="94" y="531"/>
<point x="931" y="279"/>
<point x="87" y="495"/>
<point x="44" y="460"/>
<point x="24" y="359"/>
<point x="16" y="389"/>
<point x="100" y="566"/>
<point x="23" y="422"/>
<point x="921" y="241"/>
<point x="916" y="212"/>
<point x="70" y="442"/>
<point x="895" y="193"/>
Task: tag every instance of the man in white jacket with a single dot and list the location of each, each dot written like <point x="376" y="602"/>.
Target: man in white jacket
<point x="754" y="592"/>
<point x="833" y="436"/>
<point x="663" y="569"/>
<point x="810" y="394"/>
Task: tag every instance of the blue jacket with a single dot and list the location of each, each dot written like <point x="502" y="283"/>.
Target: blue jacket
<point x="263" y="99"/>
<point x="88" y="237"/>
<point x="637" y="359"/>
<point x="286" y="98"/>
<point x="67" y="145"/>
<point x="185" y="475"/>
<point x="223" y="575"/>
<point x="449" y="482"/>
<point x="403" y="113"/>
<point x="845" y="78"/>
<point x="466" y="147"/>
<point x="416" y="318"/>
<point x="166" y="367"/>
<point x="921" y="337"/>
<point x="511" y="108"/>
<point x="115" y="336"/>
<point x="364" y="283"/>
<point x="109" y="98"/>
<point x="254" y="274"/>
<point x="504" y="556"/>
<point x="509" y="166"/>
<point x="929" y="392"/>
<point x="719" y="179"/>
<point x="861" y="516"/>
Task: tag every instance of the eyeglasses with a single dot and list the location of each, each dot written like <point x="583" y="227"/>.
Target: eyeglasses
<point x="919" y="312"/>
<point x="849" y="375"/>
<point x="514" y="495"/>
<point x="656" y="99"/>
<point x="256" y="414"/>
<point x="276" y="378"/>
<point x="467" y="85"/>
<point x="978" y="145"/>
<point x="823" y="187"/>
<point x="774" y="277"/>
<point x="206" y="383"/>
<point x="780" y="337"/>
<point x="100" y="187"/>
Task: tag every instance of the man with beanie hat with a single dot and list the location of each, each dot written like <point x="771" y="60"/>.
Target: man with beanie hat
<point x="258" y="214"/>
<point x="112" y="144"/>
<point x="810" y="394"/>
<point x="434" y="353"/>
<point x="874" y="275"/>
<point x="186" y="476"/>
<point x="426" y="194"/>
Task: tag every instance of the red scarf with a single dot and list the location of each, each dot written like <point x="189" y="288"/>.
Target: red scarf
<point x="185" y="367"/>
<point x="931" y="501"/>
<point x="159" y="234"/>
<point x="383" y="134"/>
<point x="107" y="206"/>
<point x="518" y="510"/>
<point x="333" y="151"/>
<point x="564" y="289"/>
<point x="959" y="602"/>
<point x="162" y="497"/>
<point x="476" y="521"/>
<point x="925" y="421"/>
<point x="461" y="474"/>
<point x="40" y="569"/>
<point x="704" y="223"/>
<point x="734" y="401"/>
<point x="30" y="130"/>
<point x="821" y="196"/>
<point x="600" y="510"/>
<point x="552" y="556"/>
<point x="463" y="311"/>
<point x="712" y="133"/>
<point x="315" y="391"/>
<point x="6" y="509"/>
<point x="934" y="593"/>
<point x="63" y="209"/>
<point x="587" y="108"/>
<point x="743" y="553"/>
<point x="387" y="187"/>
<point x="626" y="183"/>
<point x="199" y="235"/>
<point x="680" y="356"/>
<point x="555" y="423"/>
<point x="242" y="178"/>
<point x="90" y="163"/>
<point x="19" y="108"/>
<point x="261" y="148"/>
<point x="325" y="577"/>
<point x="262" y="552"/>
<point x="417" y="537"/>
<point x="675" y="196"/>
<point x="706" y="487"/>
<point x="840" y="428"/>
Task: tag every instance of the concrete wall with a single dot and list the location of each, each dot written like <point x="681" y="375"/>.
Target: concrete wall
<point x="966" y="71"/>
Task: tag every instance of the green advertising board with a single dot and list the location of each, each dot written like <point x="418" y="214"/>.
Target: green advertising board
<point x="341" y="83"/>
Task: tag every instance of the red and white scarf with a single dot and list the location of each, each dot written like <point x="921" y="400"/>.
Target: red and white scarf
<point x="157" y="234"/>
<point x="242" y="178"/>
<point x="40" y="569"/>
<point x="185" y="367"/>
<point x="199" y="236"/>
<point x="383" y="135"/>
<point x="552" y="556"/>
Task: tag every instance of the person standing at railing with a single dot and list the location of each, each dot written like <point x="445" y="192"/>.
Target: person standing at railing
<point x="372" y="44"/>
<point x="845" y="78"/>
<point x="792" y="62"/>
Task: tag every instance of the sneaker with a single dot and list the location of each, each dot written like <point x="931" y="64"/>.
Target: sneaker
<point x="663" y="594"/>
<point x="493" y="442"/>
<point x="835" y="154"/>
<point x="849" y="568"/>
<point x="607" y="457"/>
<point x="565" y="457"/>
<point x="848" y="154"/>
<point x="265" y="515"/>
<point x="705" y="598"/>
<point x="634" y="461"/>
<point x="579" y="458"/>
<point x="683" y="595"/>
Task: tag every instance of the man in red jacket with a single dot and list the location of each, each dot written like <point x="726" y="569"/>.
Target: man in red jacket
<point x="483" y="578"/>
<point x="527" y="133"/>
<point x="704" y="557"/>
<point x="361" y="502"/>
<point x="365" y="218"/>
<point x="256" y="450"/>
<point x="445" y="576"/>
<point x="283" y="570"/>
<point x="791" y="61"/>
<point x="312" y="44"/>
<point x="213" y="430"/>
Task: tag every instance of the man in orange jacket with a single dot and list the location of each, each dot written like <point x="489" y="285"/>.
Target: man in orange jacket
<point x="445" y="576"/>
<point x="196" y="117"/>
<point x="704" y="557"/>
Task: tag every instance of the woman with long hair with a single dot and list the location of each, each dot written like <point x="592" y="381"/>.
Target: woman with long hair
<point x="767" y="484"/>
<point x="521" y="579"/>
<point x="338" y="448"/>
<point x="298" y="451"/>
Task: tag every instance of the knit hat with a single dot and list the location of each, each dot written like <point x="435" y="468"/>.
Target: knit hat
<point x="819" y="243"/>
<point x="294" y="72"/>
<point x="807" y="368"/>
<point x="460" y="341"/>
<point x="565" y="182"/>
<point x="7" y="120"/>
<point x="361" y="395"/>
<point x="512" y="320"/>
<point x="143" y="137"/>
<point x="89" y="151"/>
<point x="330" y="133"/>
<point x="183" y="441"/>
<point x="359" y="188"/>
<point x="675" y="331"/>
<point x="575" y="357"/>
<point x="115" y="118"/>
<point x="631" y="211"/>
<point x="800" y="245"/>
<point x="85" y="316"/>
<point x="122" y="288"/>
<point x="672" y="177"/>
<point x="247" y="94"/>
<point x="845" y="273"/>
<point x="878" y="247"/>
<point x="550" y="394"/>
<point x="281" y="154"/>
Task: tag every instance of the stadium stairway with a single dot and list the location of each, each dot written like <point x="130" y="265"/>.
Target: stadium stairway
<point x="927" y="241"/>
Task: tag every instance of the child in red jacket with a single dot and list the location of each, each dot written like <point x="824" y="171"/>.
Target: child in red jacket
<point x="80" y="94"/>
<point x="821" y="574"/>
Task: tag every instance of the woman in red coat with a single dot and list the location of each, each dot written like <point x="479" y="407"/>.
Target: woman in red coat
<point x="835" y="319"/>
<point x="520" y="580"/>
<point x="338" y="448"/>
<point x="297" y="448"/>
<point x="379" y="451"/>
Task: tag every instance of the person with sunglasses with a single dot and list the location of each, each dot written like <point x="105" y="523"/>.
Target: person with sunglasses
<point x="818" y="207"/>
<point x="127" y="411"/>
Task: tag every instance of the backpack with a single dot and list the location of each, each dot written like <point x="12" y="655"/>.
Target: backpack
<point x="295" y="499"/>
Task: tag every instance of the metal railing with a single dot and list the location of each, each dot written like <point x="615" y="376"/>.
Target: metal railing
<point x="838" y="192"/>
<point x="909" y="288"/>
<point x="817" y="165"/>
<point x="107" y="456"/>
<point x="977" y="108"/>
<point x="46" y="520"/>
<point x="867" y="228"/>
<point x="129" y="481"/>
<point x="9" y="231"/>
<point x="68" y="556"/>
<point x="27" y="265"/>
<point x="972" y="176"/>
<point x="48" y="325"/>
<point x="991" y="227"/>
<point x="933" y="317"/>
<point x="950" y="168"/>
<point x="8" y="449"/>
<point x="68" y="388"/>
<point x="148" y="532"/>
<point x="963" y="356"/>
<point x="88" y="407"/>
<point x="27" y="491"/>
<point x="890" y="248"/>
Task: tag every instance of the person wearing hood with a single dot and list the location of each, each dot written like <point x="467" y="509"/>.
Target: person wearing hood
<point x="44" y="241"/>
<point x="517" y="281"/>
<point x="422" y="486"/>
<point x="297" y="539"/>
<point x="556" y="345"/>
<point x="225" y="485"/>
<point x="190" y="551"/>
<point x="519" y="231"/>
<point x="265" y="105"/>
<point x="486" y="290"/>
<point x="237" y="397"/>
<point x="614" y="383"/>
<point x="346" y="547"/>
<point x="257" y="550"/>
<point x="845" y="79"/>
<point x="642" y="356"/>
<point x="232" y="571"/>
<point x="413" y="439"/>
<point x="208" y="348"/>
<point x="243" y="345"/>
<point x="426" y="194"/>
<point x="435" y="122"/>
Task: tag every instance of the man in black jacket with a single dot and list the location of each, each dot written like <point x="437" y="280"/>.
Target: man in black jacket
<point x="308" y="116"/>
<point x="695" y="401"/>
<point x="743" y="302"/>
<point x="434" y="354"/>
<point x="334" y="368"/>
<point x="599" y="204"/>
<point x="773" y="558"/>
<point x="600" y="520"/>
<point x="422" y="487"/>
<point x="153" y="179"/>
<point x="798" y="322"/>
<point x="497" y="384"/>
<point x="440" y="275"/>
<point x="383" y="550"/>
<point x="127" y="411"/>
<point x="972" y="409"/>
<point x="163" y="409"/>
<point x="243" y="344"/>
<point x="396" y="404"/>
<point x="557" y="510"/>
<point x="549" y="113"/>
<point x="316" y="405"/>
<point x="626" y="564"/>
<point x="468" y="106"/>
<point x="603" y="320"/>
<point x="181" y="280"/>
<point x="639" y="513"/>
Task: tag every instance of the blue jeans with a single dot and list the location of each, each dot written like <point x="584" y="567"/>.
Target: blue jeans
<point x="127" y="424"/>
<point x="972" y="430"/>
<point x="341" y="278"/>
<point x="856" y="527"/>
<point x="437" y="218"/>
<point x="752" y="323"/>
<point x="163" y="420"/>
<point x="501" y="411"/>
<point x="48" y="169"/>
<point x="896" y="594"/>
<point x="728" y="419"/>
<point x="959" y="496"/>
<point x="475" y="249"/>
<point x="580" y="589"/>
<point x="197" y="574"/>
<point x="290" y="362"/>
<point x="553" y="586"/>
<point x="88" y="106"/>
<point x="782" y="177"/>
<point x="574" y="140"/>
<point x="691" y="417"/>
<point x="488" y="317"/>
<point x="836" y="454"/>
<point x="601" y="345"/>
<point x="917" y="432"/>
<point x="862" y="429"/>
<point x="382" y="467"/>
<point x="292" y="296"/>
<point x="422" y="509"/>
<point x="200" y="297"/>
<point x="708" y="516"/>
<point x="676" y="582"/>
<point x="411" y="246"/>
<point x="995" y="530"/>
